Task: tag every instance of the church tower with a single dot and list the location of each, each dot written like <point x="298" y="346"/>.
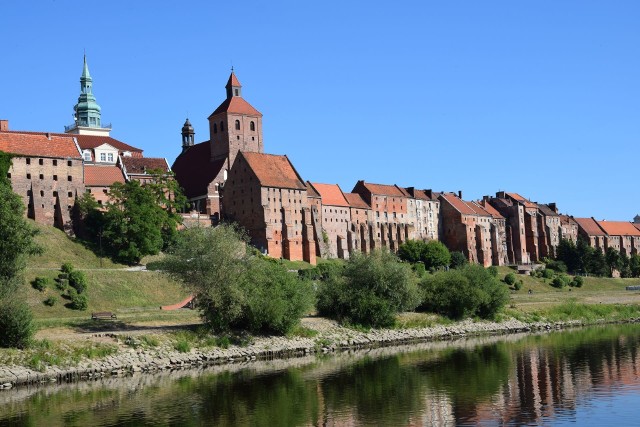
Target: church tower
<point x="234" y="126"/>
<point x="187" y="135"/>
<point x="87" y="111"/>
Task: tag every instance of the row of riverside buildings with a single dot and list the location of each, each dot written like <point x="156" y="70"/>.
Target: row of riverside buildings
<point x="230" y="177"/>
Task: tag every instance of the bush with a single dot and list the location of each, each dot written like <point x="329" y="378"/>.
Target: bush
<point x="548" y="273"/>
<point x="560" y="281"/>
<point x="493" y="270"/>
<point x="40" y="283"/>
<point x="577" y="281"/>
<point x="61" y="284"/>
<point x="78" y="281"/>
<point x="16" y="324"/>
<point x="469" y="291"/>
<point x="458" y="260"/>
<point x="518" y="285"/>
<point x="557" y="266"/>
<point x="67" y="267"/>
<point x="419" y="269"/>
<point x="50" y="301"/>
<point x="77" y="301"/>
<point x="371" y="291"/>
<point x="510" y="279"/>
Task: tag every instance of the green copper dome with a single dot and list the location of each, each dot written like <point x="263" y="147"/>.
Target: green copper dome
<point x="87" y="110"/>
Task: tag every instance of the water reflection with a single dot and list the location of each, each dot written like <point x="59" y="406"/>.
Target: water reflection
<point x="544" y="379"/>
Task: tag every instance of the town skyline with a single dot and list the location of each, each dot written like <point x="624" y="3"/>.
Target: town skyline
<point x="354" y="114"/>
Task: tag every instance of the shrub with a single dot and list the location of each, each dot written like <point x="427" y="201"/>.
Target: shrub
<point x="16" y="323"/>
<point x="560" y="281"/>
<point x="493" y="270"/>
<point x="419" y="269"/>
<point x="78" y="281"/>
<point x="67" y="267"/>
<point x="469" y="291"/>
<point x="518" y="285"/>
<point x="371" y="291"/>
<point x="577" y="281"/>
<point x="547" y="273"/>
<point x="558" y="266"/>
<point x="510" y="279"/>
<point x="77" y="301"/>
<point x="50" y="301"/>
<point x="61" y="284"/>
<point x="435" y="254"/>
<point x="40" y="283"/>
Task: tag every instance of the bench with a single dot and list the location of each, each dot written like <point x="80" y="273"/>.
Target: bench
<point x="103" y="315"/>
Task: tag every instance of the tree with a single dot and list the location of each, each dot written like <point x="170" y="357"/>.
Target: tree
<point x="458" y="260"/>
<point x="372" y="290"/>
<point x="634" y="265"/>
<point x="411" y="251"/>
<point x="614" y="260"/>
<point x="233" y="287"/>
<point x="568" y="253"/>
<point x="435" y="255"/>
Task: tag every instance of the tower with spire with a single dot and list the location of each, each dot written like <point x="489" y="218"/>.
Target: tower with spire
<point x="187" y="135"/>
<point x="235" y="125"/>
<point x="87" y="111"/>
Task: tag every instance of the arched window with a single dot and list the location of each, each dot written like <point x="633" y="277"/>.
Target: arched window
<point x="221" y="126"/>
<point x="237" y="124"/>
<point x="215" y="128"/>
<point x="252" y="126"/>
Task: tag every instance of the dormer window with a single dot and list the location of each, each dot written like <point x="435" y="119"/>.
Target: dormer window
<point x="103" y="157"/>
<point x="86" y="155"/>
<point x="110" y="157"/>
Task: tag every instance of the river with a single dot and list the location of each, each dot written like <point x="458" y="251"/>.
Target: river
<point x="586" y="377"/>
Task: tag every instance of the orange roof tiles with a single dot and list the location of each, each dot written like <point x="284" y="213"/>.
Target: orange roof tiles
<point x="619" y="228"/>
<point x="274" y="170"/>
<point x="458" y="204"/>
<point x="331" y="194"/>
<point x="386" y="190"/>
<point x="590" y="226"/>
<point x="356" y="201"/>
<point x="478" y="209"/>
<point x="522" y="200"/>
<point x="29" y="144"/>
<point x="102" y="176"/>
<point x="233" y="80"/>
<point x="86" y="141"/>
<point x="140" y="165"/>
<point x="237" y="105"/>
<point x="490" y="209"/>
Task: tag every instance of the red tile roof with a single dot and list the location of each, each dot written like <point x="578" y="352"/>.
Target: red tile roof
<point x="490" y="209"/>
<point x="140" y="165"/>
<point x="356" y="201"/>
<point x="237" y="105"/>
<point x="311" y="192"/>
<point x="522" y="200"/>
<point x="478" y="209"/>
<point x="636" y="225"/>
<point x="233" y="80"/>
<point x="590" y="226"/>
<point x="88" y="141"/>
<point x="619" y="228"/>
<point x="331" y="194"/>
<point x="546" y="210"/>
<point x="195" y="171"/>
<point x="458" y="204"/>
<point x="273" y="170"/>
<point x="102" y="176"/>
<point x="386" y="190"/>
<point x="39" y="145"/>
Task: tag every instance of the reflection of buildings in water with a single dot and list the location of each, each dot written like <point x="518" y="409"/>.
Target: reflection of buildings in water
<point x="437" y="411"/>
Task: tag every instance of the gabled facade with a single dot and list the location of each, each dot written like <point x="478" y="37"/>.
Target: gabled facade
<point x="361" y="224"/>
<point x="336" y="220"/>
<point x="514" y="214"/>
<point x="589" y="230"/>
<point x="427" y="216"/>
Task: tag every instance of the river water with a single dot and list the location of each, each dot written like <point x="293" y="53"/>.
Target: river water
<point x="584" y="377"/>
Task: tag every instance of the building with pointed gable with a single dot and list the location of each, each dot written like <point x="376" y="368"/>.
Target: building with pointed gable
<point x="335" y="220"/>
<point x="202" y="169"/>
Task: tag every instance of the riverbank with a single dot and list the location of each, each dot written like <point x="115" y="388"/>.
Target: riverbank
<point x="132" y="356"/>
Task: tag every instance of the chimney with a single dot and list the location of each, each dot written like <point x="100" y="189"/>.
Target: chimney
<point x="48" y="136"/>
<point x="485" y="198"/>
<point x="553" y="207"/>
<point x="429" y="193"/>
<point x="460" y="194"/>
<point x="4" y="125"/>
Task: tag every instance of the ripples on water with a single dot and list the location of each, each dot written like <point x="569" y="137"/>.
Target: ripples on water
<point x="585" y="377"/>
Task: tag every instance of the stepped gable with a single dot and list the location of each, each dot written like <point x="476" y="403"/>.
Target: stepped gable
<point x="590" y="226"/>
<point x="195" y="171"/>
<point x="619" y="228"/>
<point x="140" y="165"/>
<point x="331" y="194"/>
<point x="39" y="144"/>
<point x="458" y="204"/>
<point x="102" y="175"/>
<point x="274" y="170"/>
<point x="356" y="201"/>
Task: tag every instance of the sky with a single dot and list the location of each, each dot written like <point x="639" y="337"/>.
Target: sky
<point x="540" y="97"/>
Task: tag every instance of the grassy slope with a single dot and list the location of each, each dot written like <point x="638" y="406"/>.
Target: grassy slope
<point x="111" y="288"/>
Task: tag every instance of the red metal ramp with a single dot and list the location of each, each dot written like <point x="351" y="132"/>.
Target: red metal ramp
<point x="184" y="303"/>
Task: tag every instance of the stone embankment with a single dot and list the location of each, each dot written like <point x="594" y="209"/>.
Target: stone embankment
<point x="330" y="339"/>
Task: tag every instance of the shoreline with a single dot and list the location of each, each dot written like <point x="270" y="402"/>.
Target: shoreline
<point x="334" y="340"/>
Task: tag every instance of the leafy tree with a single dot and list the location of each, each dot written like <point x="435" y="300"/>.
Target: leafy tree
<point x="458" y="260"/>
<point x="568" y="253"/>
<point x="634" y="265"/>
<point x="16" y="323"/>
<point x="233" y="287"/>
<point x="411" y="251"/>
<point x="597" y="263"/>
<point x="435" y="255"/>
<point x="614" y="260"/>
<point x="371" y="291"/>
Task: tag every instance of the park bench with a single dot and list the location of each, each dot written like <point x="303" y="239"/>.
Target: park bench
<point x="103" y="315"/>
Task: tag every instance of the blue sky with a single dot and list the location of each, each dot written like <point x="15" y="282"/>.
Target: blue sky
<point x="536" y="97"/>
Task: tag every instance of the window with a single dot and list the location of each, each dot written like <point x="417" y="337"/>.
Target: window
<point x="103" y="157"/>
<point x="41" y="193"/>
<point x="252" y="126"/>
<point x="215" y="128"/>
<point x="8" y="175"/>
<point x="237" y="124"/>
<point x="110" y="157"/>
<point x="69" y="178"/>
<point x="86" y="155"/>
<point x="28" y="161"/>
<point x="55" y="177"/>
<point x="69" y="194"/>
<point x="41" y="176"/>
<point x="55" y="163"/>
<point x="69" y="163"/>
<point x="236" y="91"/>
<point x="40" y="161"/>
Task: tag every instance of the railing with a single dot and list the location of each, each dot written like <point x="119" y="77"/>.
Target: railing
<point x="76" y="125"/>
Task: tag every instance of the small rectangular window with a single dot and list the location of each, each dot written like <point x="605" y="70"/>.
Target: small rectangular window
<point x="41" y="176"/>
<point x="28" y="161"/>
<point x="8" y="175"/>
<point x="69" y="163"/>
<point x="70" y="194"/>
<point x="55" y="163"/>
<point x="55" y="177"/>
<point x="69" y="178"/>
<point x="40" y="161"/>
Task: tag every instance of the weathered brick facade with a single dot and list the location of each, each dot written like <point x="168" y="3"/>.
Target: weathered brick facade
<point x="336" y="220"/>
<point x="516" y="226"/>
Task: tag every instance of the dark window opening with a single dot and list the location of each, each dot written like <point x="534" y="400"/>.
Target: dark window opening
<point x="237" y="124"/>
<point x="40" y="161"/>
<point x="69" y="178"/>
<point x="55" y="163"/>
<point x="55" y="177"/>
<point x="69" y="163"/>
<point x="221" y="126"/>
<point x="41" y="176"/>
<point x="70" y="194"/>
<point x="28" y="161"/>
<point x="252" y="126"/>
